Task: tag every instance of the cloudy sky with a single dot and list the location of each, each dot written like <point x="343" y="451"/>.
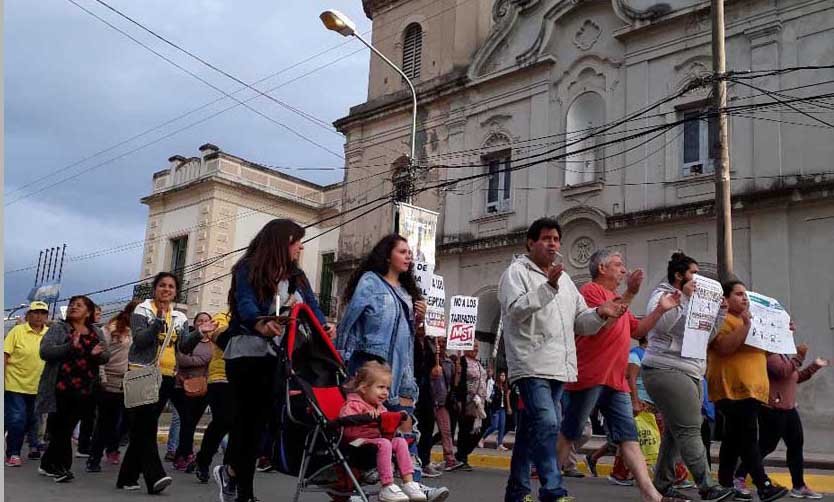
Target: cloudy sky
<point x="75" y="87"/>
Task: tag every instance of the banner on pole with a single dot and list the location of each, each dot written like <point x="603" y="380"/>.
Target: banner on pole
<point x="47" y="292"/>
<point x="701" y="316"/>
<point x="419" y="227"/>
<point x="463" y="317"/>
<point x="436" y="311"/>
<point x="770" y="325"/>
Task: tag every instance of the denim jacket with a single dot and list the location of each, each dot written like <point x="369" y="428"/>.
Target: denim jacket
<point x="247" y="310"/>
<point x="379" y="322"/>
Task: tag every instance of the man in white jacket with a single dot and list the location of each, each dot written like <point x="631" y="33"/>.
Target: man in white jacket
<point x="542" y="310"/>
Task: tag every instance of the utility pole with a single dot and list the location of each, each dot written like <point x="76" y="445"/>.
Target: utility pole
<point x="723" y="200"/>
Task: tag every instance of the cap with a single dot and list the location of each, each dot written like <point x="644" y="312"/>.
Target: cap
<point x="38" y="305"/>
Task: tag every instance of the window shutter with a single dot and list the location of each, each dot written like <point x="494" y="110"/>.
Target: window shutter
<point x="412" y="51"/>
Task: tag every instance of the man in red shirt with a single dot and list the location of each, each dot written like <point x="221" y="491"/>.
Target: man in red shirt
<point x="602" y="361"/>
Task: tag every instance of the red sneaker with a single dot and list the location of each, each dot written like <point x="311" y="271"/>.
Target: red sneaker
<point x="114" y="458"/>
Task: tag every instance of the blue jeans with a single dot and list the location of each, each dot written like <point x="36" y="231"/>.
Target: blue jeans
<point x="498" y="424"/>
<point x="535" y="442"/>
<point x="615" y="407"/>
<point x="174" y="430"/>
<point x="20" y="417"/>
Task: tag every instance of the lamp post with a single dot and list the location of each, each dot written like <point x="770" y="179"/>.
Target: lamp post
<point x="336" y="21"/>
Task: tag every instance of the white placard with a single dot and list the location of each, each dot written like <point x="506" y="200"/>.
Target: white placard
<point x="463" y="317"/>
<point x="63" y="309"/>
<point x="701" y="317"/>
<point x="770" y="325"/>
<point x="423" y="272"/>
<point x="436" y="311"/>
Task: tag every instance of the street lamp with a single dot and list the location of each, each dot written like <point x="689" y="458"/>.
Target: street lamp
<point x="336" y="21"/>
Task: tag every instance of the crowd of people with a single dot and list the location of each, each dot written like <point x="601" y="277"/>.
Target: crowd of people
<point x="569" y="359"/>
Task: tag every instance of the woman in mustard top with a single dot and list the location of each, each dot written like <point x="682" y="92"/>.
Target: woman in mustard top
<point x="738" y="385"/>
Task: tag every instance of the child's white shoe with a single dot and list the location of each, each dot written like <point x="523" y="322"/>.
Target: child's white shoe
<point x="393" y="493"/>
<point x="414" y="492"/>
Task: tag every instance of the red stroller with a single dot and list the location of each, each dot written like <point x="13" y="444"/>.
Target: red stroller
<point x="310" y="397"/>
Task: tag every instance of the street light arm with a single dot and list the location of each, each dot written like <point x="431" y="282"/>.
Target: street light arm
<point x="413" y="95"/>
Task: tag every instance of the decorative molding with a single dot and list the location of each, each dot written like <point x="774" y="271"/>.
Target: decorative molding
<point x="581" y="251"/>
<point x="577" y="213"/>
<point x="587" y="35"/>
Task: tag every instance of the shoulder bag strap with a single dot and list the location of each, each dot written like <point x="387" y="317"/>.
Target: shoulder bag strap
<point x="165" y="343"/>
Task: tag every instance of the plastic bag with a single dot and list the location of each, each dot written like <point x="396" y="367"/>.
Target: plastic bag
<point x="649" y="436"/>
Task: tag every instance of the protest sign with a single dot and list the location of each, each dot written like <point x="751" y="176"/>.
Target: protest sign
<point x="769" y="326"/>
<point x="436" y="311"/>
<point x="463" y="316"/>
<point x="701" y="316"/>
<point x="423" y="272"/>
<point x="419" y="227"/>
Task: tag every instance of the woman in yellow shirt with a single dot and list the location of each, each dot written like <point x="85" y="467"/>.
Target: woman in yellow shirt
<point x="738" y="385"/>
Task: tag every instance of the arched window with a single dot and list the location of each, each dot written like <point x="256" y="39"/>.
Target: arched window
<point x="412" y="50"/>
<point x="586" y="113"/>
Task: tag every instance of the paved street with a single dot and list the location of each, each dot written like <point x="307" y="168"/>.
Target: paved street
<point x="25" y="485"/>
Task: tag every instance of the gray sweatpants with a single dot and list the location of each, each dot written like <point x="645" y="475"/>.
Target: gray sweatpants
<point x="678" y="397"/>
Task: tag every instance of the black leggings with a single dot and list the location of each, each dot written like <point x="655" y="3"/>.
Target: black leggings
<point x="775" y="425"/>
<point x="740" y="441"/>
<point x="111" y="407"/>
<point x="191" y="410"/>
<point x="222" y="418"/>
<point x="253" y="384"/>
<point x="69" y="410"/>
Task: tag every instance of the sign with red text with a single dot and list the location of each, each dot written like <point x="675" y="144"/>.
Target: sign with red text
<point x="463" y="317"/>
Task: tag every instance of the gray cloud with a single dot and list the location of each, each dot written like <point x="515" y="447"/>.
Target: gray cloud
<point x="73" y="87"/>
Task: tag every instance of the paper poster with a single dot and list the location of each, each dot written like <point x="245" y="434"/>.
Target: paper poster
<point x="63" y="309"/>
<point x="436" y="311"/>
<point x="701" y="317"/>
<point x="419" y="227"/>
<point x="769" y="326"/>
<point x="463" y="316"/>
<point x="423" y="273"/>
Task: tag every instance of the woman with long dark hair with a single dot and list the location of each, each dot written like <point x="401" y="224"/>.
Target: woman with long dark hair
<point x="110" y="397"/>
<point x="384" y="306"/>
<point x="73" y="350"/>
<point x="149" y="324"/>
<point x="267" y="271"/>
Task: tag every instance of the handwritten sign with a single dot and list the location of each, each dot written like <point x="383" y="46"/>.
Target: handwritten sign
<point x="463" y="317"/>
<point x="423" y="272"/>
<point x="769" y="326"/>
<point x="701" y="317"/>
<point x="436" y="311"/>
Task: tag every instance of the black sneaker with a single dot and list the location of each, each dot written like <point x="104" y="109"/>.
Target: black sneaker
<point x="64" y="476"/>
<point x="674" y="493"/>
<point x="573" y="473"/>
<point x="47" y="471"/>
<point x="466" y="467"/>
<point x="93" y="466"/>
<point x="592" y="465"/>
<point x="202" y="473"/>
<point x="717" y="493"/>
<point x="771" y="492"/>
<point x="34" y="455"/>
<point x="743" y="496"/>
<point x="226" y="484"/>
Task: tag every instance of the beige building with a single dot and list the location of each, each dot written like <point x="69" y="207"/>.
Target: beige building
<point x="504" y="82"/>
<point x="202" y="208"/>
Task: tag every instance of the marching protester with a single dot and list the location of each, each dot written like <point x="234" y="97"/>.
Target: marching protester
<point x="499" y="408"/>
<point x="425" y="359"/>
<point x="220" y="400"/>
<point x="602" y="362"/>
<point x="542" y="310"/>
<point x="150" y="324"/>
<point x="780" y="420"/>
<point x="674" y="384"/>
<point x="442" y="381"/>
<point x="23" y="368"/>
<point x="110" y="396"/>
<point x="191" y="387"/>
<point x="384" y="305"/>
<point x="471" y="398"/>
<point x="85" y="428"/>
<point x="264" y="280"/>
<point x="72" y="351"/>
<point x="738" y="384"/>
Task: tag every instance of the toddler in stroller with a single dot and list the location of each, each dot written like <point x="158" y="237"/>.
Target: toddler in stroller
<point x="368" y="390"/>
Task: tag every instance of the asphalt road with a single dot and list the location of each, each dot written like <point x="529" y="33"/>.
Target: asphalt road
<point x="23" y="484"/>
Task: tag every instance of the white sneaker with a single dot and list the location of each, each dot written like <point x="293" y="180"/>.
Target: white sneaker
<point x="414" y="492"/>
<point x="392" y="493"/>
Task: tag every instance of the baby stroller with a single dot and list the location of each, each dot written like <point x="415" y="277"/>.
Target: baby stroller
<point x="310" y="396"/>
